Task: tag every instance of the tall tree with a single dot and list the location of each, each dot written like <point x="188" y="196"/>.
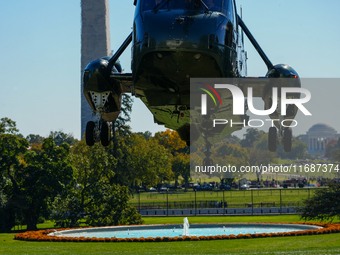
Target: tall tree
<point x="37" y="139"/>
<point x="8" y="126"/>
<point x="251" y="135"/>
<point x="181" y="167"/>
<point x="46" y="174"/>
<point x="120" y="127"/>
<point x="147" y="135"/>
<point x="12" y="149"/>
<point x="324" y="205"/>
<point x="60" y="137"/>
<point x="91" y="194"/>
<point x="298" y="148"/>
<point x="33" y="179"/>
<point x="331" y="147"/>
<point x="120" y="124"/>
<point x="170" y="140"/>
<point x="259" y="157"/>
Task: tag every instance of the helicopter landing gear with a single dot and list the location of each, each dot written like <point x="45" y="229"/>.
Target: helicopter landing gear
<point x="272" y="139"/>
<point x="207" y="161"/>
<point x="96" y="130"/>
<point x="286" y="135"/>
<point x="287" y="139"/>
<point x="105" y="134"/>
<point x="90" y="133"/>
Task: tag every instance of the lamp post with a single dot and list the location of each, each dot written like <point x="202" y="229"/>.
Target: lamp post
<point x="167" y="202"/>
<point x="195" y="203"/>
<point x="139" y="199"/>
<point x="223" y="203"/>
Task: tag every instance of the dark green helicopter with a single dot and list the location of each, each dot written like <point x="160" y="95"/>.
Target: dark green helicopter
<point x="173" y="41"/>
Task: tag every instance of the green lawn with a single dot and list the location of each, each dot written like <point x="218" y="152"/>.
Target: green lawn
<point x="235" y="198"/>
<point x="321" y="244"/>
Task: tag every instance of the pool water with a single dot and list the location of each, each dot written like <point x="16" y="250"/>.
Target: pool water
<point x="178" y="231"/>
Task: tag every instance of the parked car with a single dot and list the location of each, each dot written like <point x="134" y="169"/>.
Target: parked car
<point x="310" y="185"/>
<point x="207" y="187"/>
<point x="163" y="189"/>
<point x="197" y="187"/>
<point x="151" y="189"/>
<point x="234" y="185"/>
<point x="225" y="187"/>
<point x="244" y="187"/>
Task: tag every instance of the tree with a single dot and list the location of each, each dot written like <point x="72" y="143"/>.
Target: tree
<point x="251" y="135"/>
<point x="336" y="155"/>
<point x="124" y="116"/>
<point x="232" y="139"/>
<point x="8" y="126"/>
<point x="12" y="149"/>
<point x="150" y="161"/>
<point x="120" y="128"/>
<point x="330" y="148"/>
<point x="170" y="140"/>
<point x="60" y="137"/>
<point x="147" y="135"/>
<point x="111" y="207"/>
<point x="37" y="148"/>
<point x="139" y="160"/>
<point x="258" y="157"/>
<point x="37" y="139"/>
<point x="324" y="205"/>
<point x="298" y="148"/>
<point x="46" y="175"/>
<point x="181" y="167"/>
<point x="32" y="180"/>
<point x="230" y="154"/>
<point x="92" y="194"/>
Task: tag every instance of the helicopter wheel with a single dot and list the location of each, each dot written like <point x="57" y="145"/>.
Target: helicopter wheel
<point x="207" y="162"/>
<point x="272" y="139"/>
<point x="287" y="139"/>
<point x="89" y="133"/>
<point x="105" y="134"/>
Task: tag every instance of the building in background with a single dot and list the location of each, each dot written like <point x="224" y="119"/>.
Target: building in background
<point x="318" y="136"/>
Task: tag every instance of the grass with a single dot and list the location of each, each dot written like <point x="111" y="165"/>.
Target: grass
<point x="46" y="224"/>
<point x="234" y="198"/>
<point x="321" y="244"/>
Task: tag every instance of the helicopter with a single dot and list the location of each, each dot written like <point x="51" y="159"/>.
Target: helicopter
<point x="174" y="41"/>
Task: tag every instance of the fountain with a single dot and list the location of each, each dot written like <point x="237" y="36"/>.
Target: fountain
<point x="185" y="227"/>
<point x="179" y="230"/>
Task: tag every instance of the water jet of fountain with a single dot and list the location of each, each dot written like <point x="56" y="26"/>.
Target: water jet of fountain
<point x="185" y="227"/>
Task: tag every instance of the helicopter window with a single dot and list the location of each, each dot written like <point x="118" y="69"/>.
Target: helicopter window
<point x="214" y="5"/>
<point x="228" y="9"/>
<point x="166" y="4"/>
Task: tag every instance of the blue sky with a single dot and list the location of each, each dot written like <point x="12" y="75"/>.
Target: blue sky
<point x="40" y="56"/>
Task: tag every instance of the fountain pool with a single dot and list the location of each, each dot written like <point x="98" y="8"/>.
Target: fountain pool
<point x="180" y="230"/>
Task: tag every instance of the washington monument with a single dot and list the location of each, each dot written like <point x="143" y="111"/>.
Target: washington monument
<point x="95" y="43"/>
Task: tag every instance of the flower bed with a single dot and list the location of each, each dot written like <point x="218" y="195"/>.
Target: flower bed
<point x="42" y="235"/>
